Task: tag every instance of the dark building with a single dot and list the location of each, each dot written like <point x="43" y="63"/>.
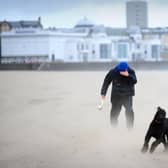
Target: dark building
<point x="9" y="25"/>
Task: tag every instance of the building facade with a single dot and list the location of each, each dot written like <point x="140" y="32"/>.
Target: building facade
<point x="7" y="26"/>
<point x="83" y="43"/>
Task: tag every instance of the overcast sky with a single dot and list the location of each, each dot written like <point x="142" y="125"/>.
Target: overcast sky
<point x="66" y="13"/>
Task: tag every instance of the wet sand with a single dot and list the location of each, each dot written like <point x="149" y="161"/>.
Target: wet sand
<point x="51" y="120"/>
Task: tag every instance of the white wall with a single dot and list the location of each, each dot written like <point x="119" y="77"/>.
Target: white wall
<point x="25" y="45"/>
<point x="71" y="49"/>
<point x="57" y="47"/>
<point x="64" y="47"/>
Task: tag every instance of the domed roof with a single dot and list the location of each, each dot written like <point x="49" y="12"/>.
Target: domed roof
<point x="85" y="22"/>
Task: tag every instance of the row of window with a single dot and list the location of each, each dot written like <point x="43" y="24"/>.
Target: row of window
<point x="122" y="51"/>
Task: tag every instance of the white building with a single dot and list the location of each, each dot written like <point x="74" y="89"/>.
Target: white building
<point x="84" y="42"/>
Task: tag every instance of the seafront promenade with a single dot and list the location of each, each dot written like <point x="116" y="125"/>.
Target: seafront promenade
<point x="91" y="66"/>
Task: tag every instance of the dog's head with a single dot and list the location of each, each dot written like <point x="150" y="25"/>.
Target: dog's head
<point x="160" y="115"/>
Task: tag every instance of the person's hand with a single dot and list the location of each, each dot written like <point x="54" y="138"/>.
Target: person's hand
<point x="103" y="97"/>
<point x="124" y="73"/>
<point x="100" y="106"/>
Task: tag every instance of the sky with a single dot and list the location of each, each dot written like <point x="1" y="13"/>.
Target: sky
<point x="66" y="13"/>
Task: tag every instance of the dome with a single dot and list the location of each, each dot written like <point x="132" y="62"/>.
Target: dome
<point x="85" y="22"/>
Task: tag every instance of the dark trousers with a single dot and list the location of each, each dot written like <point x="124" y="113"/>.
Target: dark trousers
<point x="117" y="103"/>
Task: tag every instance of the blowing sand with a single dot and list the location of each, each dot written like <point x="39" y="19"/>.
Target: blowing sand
<point x="51" y="120"/>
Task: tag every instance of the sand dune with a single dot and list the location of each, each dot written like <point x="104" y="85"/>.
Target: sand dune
<point x="51" y="120"/>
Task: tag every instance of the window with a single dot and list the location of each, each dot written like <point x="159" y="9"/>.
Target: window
<point x="104" y="51"/>
<point x="82" y="46"/>
<point x="122" y="50"/>
<point x="85" y="57"/>
<point x="138" y="46"/>
<point x="155" y="51"/>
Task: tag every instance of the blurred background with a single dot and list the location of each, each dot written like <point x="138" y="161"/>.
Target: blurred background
<point x="103" y="31"/>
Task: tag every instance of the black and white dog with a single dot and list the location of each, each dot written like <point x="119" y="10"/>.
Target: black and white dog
<point x="158" y="129"/>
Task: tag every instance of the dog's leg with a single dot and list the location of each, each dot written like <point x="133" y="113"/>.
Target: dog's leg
<point x="166" y="147"/>
<point x="147" y="139"/>
<point x="154" y="145"/>
<point x="145" y="148"/>
<point x="145" y="145"/>
<point x="165" y="143"/>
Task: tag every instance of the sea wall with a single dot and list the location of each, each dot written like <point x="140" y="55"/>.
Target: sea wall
<point x="94" y="66"/>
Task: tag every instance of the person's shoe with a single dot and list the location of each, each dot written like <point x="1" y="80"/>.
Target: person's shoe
<point x="114" y="123"/>
<point x="130" y="126"/>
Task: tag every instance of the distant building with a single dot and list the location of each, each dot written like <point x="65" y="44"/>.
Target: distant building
<point x="9" y="25"/>
<point x="137" y="13"/>
<point x="6" y="26"/>
<point x="86" y="42"/>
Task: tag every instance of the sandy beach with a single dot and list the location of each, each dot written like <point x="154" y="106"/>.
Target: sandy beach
<point x="51" y="120"/>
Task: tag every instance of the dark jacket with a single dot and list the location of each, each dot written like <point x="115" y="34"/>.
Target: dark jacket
<point x="121" y="85"/>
